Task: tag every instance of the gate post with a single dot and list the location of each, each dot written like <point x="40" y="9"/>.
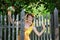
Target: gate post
<point x="22" y="25"/>
<point x="56" y="24"/>
<point x="0" y="27"/>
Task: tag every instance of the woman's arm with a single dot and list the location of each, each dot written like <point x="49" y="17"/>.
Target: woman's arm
<point x="10" y="19"/>
<point x="39" y="33"/>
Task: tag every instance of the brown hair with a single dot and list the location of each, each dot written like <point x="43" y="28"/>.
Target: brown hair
<point x="30" y="15"/>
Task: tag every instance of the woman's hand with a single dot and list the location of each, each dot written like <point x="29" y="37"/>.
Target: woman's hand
<point x="9" y="13"/>
<point x="43" y="25"/>
<point x="15" y="22"/>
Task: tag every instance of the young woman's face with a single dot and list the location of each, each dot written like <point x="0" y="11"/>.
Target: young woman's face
<point x="30" y="18"/>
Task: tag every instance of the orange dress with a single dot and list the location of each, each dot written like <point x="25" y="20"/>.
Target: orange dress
<point x="27" y="33"/>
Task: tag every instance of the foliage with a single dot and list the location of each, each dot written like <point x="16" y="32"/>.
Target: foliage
<point x="37" y="7"/>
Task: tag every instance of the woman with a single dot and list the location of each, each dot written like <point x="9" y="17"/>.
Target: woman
<point x="29" y="26"/>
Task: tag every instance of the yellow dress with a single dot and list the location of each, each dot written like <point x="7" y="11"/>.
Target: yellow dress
<point x="27" y="33"/>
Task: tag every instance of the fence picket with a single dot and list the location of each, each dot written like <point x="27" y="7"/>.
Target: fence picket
<point x="9" y="31"/>
<point x="37" y="23"/>
<point x="17" y="28"/>
<point x="13" y="28"/>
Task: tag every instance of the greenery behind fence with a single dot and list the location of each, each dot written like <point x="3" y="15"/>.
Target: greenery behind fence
<point x="37" y="7"/>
